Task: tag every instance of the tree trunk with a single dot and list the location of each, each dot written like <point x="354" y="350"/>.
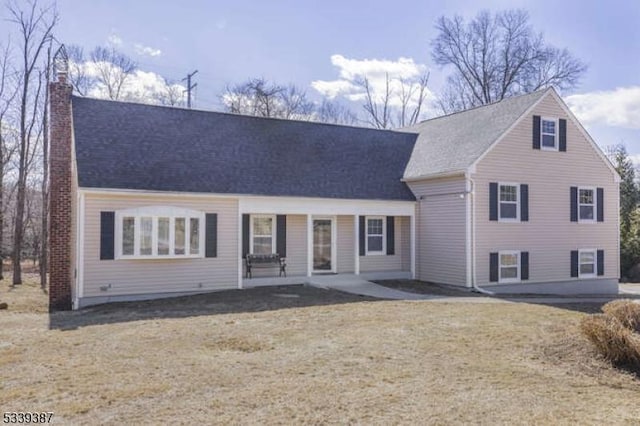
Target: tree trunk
<point x="2" y="160"/>
<point x="44" y="246"/>
<point x="18" y="231"/>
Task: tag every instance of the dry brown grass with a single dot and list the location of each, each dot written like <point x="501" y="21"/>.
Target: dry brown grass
<point x="26" y="297"/>
<point x="612" y="339"/>
<point x="206" y="360"/>
<point x="626" y="311"/>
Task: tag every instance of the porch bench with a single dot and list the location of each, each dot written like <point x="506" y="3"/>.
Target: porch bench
<point x="265" y="261"/>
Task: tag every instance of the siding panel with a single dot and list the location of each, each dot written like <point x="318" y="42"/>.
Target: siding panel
<point x="549" y="236"/>
<point x="441" y="230"/>
<point x="162" y="275"/>
<point x="346" y="245"/>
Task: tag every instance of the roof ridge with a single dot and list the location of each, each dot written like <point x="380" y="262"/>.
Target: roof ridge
<point x="485" y="105"/>
<point x="251" y="117"/>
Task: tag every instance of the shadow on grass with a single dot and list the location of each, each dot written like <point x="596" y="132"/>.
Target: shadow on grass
<point x="586" y="304"/>
<point x="222" y="302"/>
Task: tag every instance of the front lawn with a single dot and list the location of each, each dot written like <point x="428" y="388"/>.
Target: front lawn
<point x="304" y="355"/>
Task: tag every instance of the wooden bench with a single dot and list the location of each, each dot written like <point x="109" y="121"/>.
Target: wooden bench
<point x="265" y="261"/>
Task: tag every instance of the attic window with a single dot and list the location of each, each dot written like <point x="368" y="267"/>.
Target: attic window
<point x="159" y="232"/>
<point x="549" y="134"/>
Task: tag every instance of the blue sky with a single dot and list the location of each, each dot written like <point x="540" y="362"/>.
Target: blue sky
<point x="293" y="42"/>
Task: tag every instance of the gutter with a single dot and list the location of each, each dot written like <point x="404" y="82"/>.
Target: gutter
<point x="472" y="243"/>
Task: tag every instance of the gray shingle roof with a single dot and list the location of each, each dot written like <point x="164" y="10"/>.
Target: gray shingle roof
<point x="453" y="142"/>
<point x="132" y="146"/>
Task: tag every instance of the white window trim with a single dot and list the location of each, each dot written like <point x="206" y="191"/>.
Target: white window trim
<point x="509" y="219"/>
<point x="273" y="230"/>
<point x="556" y="145"/>
<point x="518" y="266"/>
<point x="384" y="236"/>
<point x="595" y="204"/>
<point x="156" y="212"/>
<point x="595" y="263"/>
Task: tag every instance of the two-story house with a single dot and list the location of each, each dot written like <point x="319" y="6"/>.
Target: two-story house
<point x="150" y="201"/>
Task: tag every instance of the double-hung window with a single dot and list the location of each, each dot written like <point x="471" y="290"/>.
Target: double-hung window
<point x="509" y="202"/>
<point x="549" y="134"/>
<point x="586" y="204"/>
<point x="375" y="242"/>
<point x="586" y="263"/>
<point x="509" y="266"/>
<point x="263" y="234"/>
<point x="159" y="232"/>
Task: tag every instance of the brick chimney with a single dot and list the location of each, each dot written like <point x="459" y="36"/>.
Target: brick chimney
<point x="60" y="195"/>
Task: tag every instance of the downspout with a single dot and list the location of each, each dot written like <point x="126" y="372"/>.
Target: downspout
<point x="474" y="286"/>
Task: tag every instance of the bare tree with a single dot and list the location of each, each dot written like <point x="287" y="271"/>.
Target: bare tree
<point x="398" y="104"/>
<point x="44" y="189"/>
<point x="35" y="26"/>
<point x="172" y="94"/>
<point x="8" y="93"/>
<point x="262" y="98"/>
<point x="497" y="56"/>
<point x="78" y="76"/>
<point x="335" y="113"/>
<point x="113" y="69"/>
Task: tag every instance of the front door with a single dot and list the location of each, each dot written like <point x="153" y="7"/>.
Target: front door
<point x="323" y="245"/>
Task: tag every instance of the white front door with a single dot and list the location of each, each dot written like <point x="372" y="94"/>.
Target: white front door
<point x="324" y="245"/>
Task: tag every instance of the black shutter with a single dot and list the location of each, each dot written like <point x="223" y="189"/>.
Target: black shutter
<point x="493" y="267"/>
<point x="493" y="201"/>
<point x="600" y="203"/>
<point x="536" y="132"/>
<point x="363" y="233"/>
<point x="524" y="203"/>
<point x="107" y="235"/>
<point x="573" y="193"/>
<point x="524" y="265"/>
<point x="600" y="256"/>
<point x="562" y="145"/>
<point x="574" y="263"/>
<point x="245" y="235"/>
<point x="281" y="235"/>
<point x="391" y="235"/>
<point x="211" y="235"/>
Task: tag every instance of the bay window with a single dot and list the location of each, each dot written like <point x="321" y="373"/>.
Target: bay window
<point x="159" y="232"/>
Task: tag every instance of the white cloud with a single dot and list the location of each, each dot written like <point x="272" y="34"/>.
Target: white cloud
<point x="141" y="86"/>
<point x="352" y="71"/>
<point x="635" y="159"/>
<point x="114" y="40"/>
<point x="146" y="50"/>
<point x="618" y="108"/>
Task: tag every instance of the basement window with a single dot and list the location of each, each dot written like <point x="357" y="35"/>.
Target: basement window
<point x="509" y="266"/>
<point x="159" y="232"/>
<point x="587" y="265"/>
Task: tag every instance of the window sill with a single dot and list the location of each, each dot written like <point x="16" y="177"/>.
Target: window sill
<point x="587" y="221"/>
<point x="552" y="149"/>
<point x="510" y="281"/>
<point x="509" y="220"/>
<point x="375" y="253"/>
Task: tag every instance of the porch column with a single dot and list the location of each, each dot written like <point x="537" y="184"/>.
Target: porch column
<point x="240" y="262"/>
<point x="356" y="226"/>
<point x="309" y="245"/>
<point x="413" y="245"/>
